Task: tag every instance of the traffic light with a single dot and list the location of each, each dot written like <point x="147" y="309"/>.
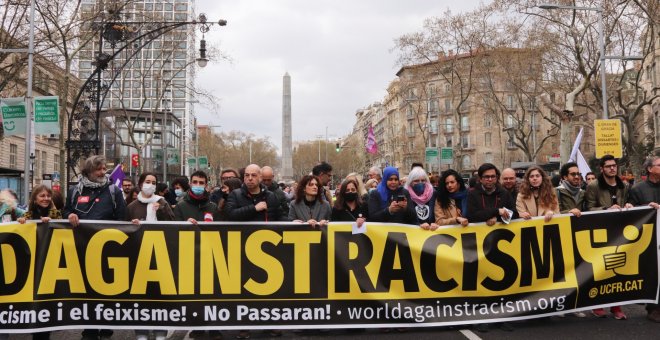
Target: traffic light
<point x="337" y="147"/>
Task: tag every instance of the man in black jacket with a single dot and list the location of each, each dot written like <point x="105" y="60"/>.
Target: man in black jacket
<point x="648" y="193"/>
<point x="252" y="201"/>
<point x="267" y="176"/>
<point x="488" y="200"/>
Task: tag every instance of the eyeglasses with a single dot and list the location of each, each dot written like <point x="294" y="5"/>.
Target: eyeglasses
<point x="610" y="166"/>
<point x="575" y="174"/>
<point x="489" y="176"/>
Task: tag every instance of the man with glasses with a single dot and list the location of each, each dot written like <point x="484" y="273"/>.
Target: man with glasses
<point x="95" y="197"/>
<point x="648" y="193"/>
<point x="488" y="201"/>
<point x="607" y="192"/>
<point x="228" y="173"/>
<point x="569" y="191"/>
<point x="323" y="171"/>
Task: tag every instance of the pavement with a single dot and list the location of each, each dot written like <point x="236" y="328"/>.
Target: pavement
<point x="550" y="328"/>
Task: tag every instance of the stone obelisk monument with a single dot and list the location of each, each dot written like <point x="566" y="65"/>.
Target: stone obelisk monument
<point x="287" y="159"/>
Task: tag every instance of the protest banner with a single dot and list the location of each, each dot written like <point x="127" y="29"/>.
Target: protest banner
<point x="170" y="275"/>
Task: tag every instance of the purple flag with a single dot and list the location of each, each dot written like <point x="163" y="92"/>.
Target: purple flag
<point x="117" y="175"/>
<point x="371" y="145"/>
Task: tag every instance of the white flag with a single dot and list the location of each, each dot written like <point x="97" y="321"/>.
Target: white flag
<point x="576" y="156"/>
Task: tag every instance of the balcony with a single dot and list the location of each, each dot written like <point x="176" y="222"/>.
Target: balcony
<point x="410" y="133"/>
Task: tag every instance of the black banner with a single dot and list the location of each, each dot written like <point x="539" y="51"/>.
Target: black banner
<point x="238" y="275"/>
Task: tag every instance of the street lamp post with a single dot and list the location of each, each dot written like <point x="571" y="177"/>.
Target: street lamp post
<point x="83" y="125"/>
<point x="29" y="142"/>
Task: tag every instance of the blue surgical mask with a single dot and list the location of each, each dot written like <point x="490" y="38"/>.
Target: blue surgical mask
<point x="418" y="188"/>
<point x="178" y="192"/>
<point x="197" y="190"/>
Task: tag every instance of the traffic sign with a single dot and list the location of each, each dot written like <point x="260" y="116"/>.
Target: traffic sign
<point x="608" y="138"/>
<point x="431" y="155"/>
<point x="446" y="156"/>
<point x="203" y="162"/>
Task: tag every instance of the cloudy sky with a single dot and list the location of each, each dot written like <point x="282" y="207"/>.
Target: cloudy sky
<point x="339" y="54"/>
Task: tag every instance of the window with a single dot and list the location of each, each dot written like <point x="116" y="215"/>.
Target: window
<point x="465" y="141"/>
<point x="409" y="111"/>
<point x="433" y="126"/>
<point x="450" y="142"/>
<point x="447" y="88"/>
<point x="487" y="139"/>
<point x="510" y="103"/>
<point x="411" y="129"/>
<point x="465" y="123"/>
<point x="13" y="154"/>
<point x="489" y="157"/>
<point x="510" y="123"/>
<point x="532" y="104"/>
<point x="449" y="125"/>
<point x="488" y="120"/>
<point x="56" y="163"/>
<point x="447" y="105"/>
<point x="466" y="162"/>
<point x="433" y="105"/>
<point x="431" y="89"/>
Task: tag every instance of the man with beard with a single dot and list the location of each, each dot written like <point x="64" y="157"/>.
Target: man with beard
<point x="487" y="200"/>
<point x="95" y="197"/>
<point x="569" y="191"/>
<point x="607" y="192"/>
<point x="509" y="182"/>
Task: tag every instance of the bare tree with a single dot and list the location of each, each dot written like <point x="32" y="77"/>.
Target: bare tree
<point x="570" y="42"/>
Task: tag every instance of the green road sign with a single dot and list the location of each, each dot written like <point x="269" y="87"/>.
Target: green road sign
<point x="203" y="162"/>
<point x="431" y="155"/>
<point x="446" y="155"/>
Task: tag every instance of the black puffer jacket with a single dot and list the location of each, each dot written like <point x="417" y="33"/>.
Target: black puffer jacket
<point x="482" y="206"/>
<point x="241" y="204"/>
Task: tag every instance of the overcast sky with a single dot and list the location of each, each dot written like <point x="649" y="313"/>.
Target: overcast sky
<point x="339" y="54"/>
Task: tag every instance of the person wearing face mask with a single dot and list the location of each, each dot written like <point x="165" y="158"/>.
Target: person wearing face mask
<point x="195" y="204"/>
<point x="348" y="205"/>
<point x="148" y="206"/>
<point x="537" y="197"/>
<point x="180" y="186"/>
<point x="421" y="205"/>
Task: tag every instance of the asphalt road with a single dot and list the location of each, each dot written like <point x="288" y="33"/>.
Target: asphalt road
<point x="569" y="327"/>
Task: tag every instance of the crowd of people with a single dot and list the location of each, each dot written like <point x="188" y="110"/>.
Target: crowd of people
<point x="429" y="201"/>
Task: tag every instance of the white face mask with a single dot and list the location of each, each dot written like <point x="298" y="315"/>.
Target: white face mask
<point x="148" y="189"/>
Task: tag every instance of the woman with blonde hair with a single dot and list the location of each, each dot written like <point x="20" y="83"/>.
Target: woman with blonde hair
<point x="537" y="196"/>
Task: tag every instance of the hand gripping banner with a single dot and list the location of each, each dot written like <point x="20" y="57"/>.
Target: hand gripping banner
<point x="173" y="275"/>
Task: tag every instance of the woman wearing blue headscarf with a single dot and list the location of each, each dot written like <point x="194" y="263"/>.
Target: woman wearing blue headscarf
<point x="389" y="201"/>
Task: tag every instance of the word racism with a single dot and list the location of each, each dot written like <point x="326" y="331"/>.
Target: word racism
<point x="229" y="275"/>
